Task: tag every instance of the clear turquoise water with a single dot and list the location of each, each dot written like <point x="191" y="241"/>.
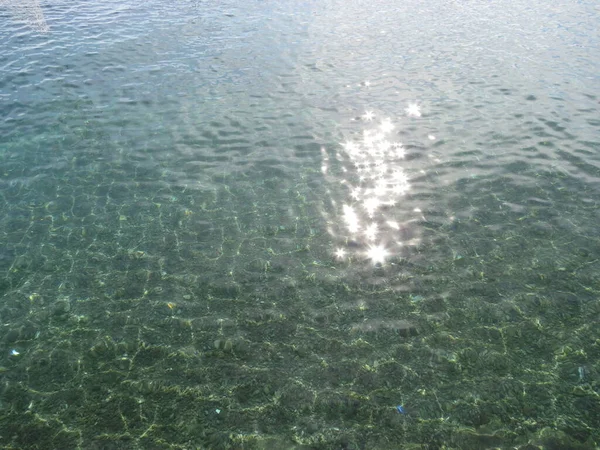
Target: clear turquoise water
<point x="267" y="224"/>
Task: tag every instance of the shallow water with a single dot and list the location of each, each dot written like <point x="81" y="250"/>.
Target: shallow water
<point x="267" y="225"/>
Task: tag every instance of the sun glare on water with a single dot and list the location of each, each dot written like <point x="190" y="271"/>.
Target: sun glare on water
<point x="376" y="180"/>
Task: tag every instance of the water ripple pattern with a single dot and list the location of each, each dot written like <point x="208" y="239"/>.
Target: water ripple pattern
<point x="333" y="224"/>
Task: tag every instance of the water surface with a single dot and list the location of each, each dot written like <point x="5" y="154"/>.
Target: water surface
<point x="269" y="224"/>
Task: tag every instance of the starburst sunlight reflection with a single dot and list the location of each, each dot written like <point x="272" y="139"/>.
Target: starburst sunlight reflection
<point x="369" y="226"/>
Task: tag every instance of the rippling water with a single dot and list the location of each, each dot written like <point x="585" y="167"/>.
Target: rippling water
<point x="268" y="224"/>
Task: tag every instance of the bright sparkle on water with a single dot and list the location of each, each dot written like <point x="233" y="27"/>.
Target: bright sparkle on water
<point x="340" y="253"/>
<point x="376" y="181"/>
<point x="413" y="110"/>
<point x="377" y="254"/>
<point x="368" y="116"/>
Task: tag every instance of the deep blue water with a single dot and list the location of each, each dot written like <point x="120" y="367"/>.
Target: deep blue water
<point x="268" y="224"/>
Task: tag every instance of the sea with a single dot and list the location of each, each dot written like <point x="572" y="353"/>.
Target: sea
<point x="299" y="225"/>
